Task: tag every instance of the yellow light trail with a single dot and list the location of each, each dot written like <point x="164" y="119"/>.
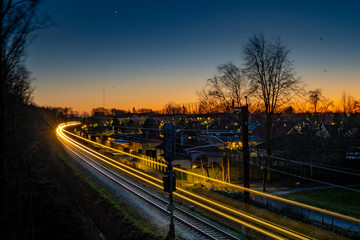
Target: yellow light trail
<point x="262" y="222"/>
<point x="302" y="205"/>
<point x="116" y="150"/>
<point x="241" y="214"/>
<point x="242" y="222"/>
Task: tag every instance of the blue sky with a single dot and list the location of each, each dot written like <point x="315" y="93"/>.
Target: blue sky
<point x="148" y="53"/>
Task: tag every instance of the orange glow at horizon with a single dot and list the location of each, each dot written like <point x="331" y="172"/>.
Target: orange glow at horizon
<point x="125" y="95"/>
<point x="156" y="94"/>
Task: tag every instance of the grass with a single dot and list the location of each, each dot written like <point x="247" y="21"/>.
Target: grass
<point x="338" y="200"/>
<point x="133" y="218"/>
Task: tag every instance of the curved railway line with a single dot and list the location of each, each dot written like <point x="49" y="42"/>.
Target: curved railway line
<point x="202" y="227"/>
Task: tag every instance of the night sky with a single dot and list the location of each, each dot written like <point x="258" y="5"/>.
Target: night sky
<point x="148" y="53"/>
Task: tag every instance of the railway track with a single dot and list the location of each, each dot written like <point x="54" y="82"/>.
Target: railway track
<point x="199" y="227"/>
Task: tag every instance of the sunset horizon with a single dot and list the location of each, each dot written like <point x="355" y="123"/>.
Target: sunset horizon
<point x="148" y="54"/>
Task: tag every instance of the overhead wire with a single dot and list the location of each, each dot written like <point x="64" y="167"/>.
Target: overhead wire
<point x="248" y="189"/>
<point x="240" y="152"/>
<point x="294" y="175"/>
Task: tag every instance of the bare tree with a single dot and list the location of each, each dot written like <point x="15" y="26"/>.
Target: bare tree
<point x="357" y="106"/>
<point x="272" y="77"/>
<point x="173" y="108"/>
<point x="271" y="74"/>
<point x="350" y="104"/>
<point x="19" y="88"/>
<point x="226" y="87"/>
<point x="18" y="18"/>
<point x="315" y="98"/>
<point x="318" y="103"/>
<point x="100" y="112"/>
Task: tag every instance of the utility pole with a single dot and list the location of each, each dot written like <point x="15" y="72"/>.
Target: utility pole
<point x="169" y="179"/>
<point x="245" y="141"/>
<point x="246" y="153"/>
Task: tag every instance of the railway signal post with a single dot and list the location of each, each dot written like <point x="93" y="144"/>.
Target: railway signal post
<point x="244" y="111"/>
<point x="169" y="178"/>
<point x="246" y="152"/>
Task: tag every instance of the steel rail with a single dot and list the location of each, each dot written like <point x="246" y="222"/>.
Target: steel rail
<point x="114" y="176"/>
<point x="291" y="202"/>
<point x="261" y="224"/>
<point x="105" y="171"/>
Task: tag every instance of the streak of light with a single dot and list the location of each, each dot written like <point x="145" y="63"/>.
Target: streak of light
<point x="316" y="209"/>
<point x="116" y="150"/>
<point x="258" y="221"/>
<point x="291" y="202"/>
<point x="186" y="198"/>
<point x="297" y="236"/>
<point x="78" y="154"/>
<point x="241" y="214"/>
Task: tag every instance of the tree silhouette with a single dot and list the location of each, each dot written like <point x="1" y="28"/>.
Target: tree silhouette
<point x="318" y="103"/>
<point x="18" y="18"/>
<point x="272" y="77"/>
<point x="228" y="86"/>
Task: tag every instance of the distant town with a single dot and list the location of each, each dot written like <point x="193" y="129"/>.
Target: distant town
<point x="211" y="143"/>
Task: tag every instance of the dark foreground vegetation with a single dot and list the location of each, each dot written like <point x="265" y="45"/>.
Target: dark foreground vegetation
<point x="41" y="197"/>
<point x="45" y="197"/>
